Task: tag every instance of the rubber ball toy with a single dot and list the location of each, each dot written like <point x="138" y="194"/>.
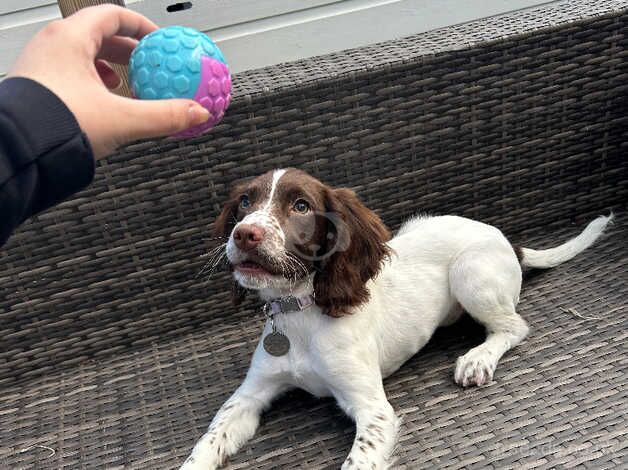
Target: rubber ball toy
<point x="180" y="62"/>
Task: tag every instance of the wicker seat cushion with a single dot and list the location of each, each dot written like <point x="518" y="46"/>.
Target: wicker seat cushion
<point x="560" y="399"/>
<point x="113" y="354"/>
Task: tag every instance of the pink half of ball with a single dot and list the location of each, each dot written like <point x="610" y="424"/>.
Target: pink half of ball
<point x="213" y="93"/>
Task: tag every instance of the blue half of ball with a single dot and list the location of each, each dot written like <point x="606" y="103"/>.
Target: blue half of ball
<point x="167" y="63"/>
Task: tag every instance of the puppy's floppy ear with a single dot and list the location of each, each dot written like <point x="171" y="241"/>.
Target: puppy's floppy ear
<point x="238" y="293"/>
<point x="223" y="225"/>
<point x="357" y="242"/>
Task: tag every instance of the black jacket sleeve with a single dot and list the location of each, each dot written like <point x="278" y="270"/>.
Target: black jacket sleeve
<point x="44" y="156"/>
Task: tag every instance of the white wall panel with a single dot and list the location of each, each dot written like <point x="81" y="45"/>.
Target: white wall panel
<point x="256" y="33"/>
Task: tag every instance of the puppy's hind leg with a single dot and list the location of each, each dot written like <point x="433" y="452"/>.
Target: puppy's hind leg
<point x="486" y="279"/>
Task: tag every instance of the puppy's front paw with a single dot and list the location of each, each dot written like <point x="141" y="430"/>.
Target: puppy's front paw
<point x="190" y="464"/>
<point x="195" y="463"/>
<point x="206" y="455"/>
<point x="356" y="463"/>
<point x="475" y="368"/>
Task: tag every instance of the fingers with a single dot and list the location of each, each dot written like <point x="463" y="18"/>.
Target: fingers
<point x="108" y="76"/>
<point x="158" y="118"/>
<point x="117" y="49"/>
<point x="105" y="21"/>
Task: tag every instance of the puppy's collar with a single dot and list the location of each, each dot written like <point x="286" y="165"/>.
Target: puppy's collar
<point x="288" y="304"/>
<point x="277" y="343"/>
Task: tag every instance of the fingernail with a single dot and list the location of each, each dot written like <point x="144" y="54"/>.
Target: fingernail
<point x="198" y="114"/>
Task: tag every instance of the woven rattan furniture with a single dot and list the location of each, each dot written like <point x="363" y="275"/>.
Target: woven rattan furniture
<point x="114" y="354"/>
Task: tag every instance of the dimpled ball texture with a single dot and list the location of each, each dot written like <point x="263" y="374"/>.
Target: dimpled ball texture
<point x="179" y="62"/>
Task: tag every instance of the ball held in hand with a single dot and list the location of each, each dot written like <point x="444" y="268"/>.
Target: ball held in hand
<point x="180" y="62"/>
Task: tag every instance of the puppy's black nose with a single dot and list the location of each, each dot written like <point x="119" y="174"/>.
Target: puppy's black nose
<point x="247" y="237"/>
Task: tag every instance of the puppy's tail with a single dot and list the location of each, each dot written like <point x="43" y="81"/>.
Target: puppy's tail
<point x="555" y="256"/>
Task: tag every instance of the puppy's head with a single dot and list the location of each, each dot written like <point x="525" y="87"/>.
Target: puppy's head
<point x="286" y="228"/>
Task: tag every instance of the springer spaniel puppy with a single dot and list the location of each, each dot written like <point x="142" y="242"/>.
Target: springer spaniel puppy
<point x="347" y="305"/>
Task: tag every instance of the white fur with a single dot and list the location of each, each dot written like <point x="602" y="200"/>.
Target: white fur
<point x="566" y="251"/>
<point x="439" y="264"/>
<point x="277" y="174"/>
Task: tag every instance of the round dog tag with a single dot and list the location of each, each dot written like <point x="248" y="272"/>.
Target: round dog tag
<point x="276" y="344"/>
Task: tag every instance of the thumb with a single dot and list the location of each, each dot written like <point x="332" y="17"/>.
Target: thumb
<point x="157" y="118"/>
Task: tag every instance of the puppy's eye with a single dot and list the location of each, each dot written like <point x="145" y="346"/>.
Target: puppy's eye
<point x="244" y="202"/>
<point x="301" y="206"/>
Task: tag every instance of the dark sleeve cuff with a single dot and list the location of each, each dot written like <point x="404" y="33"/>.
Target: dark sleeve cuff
<point x="41" y="118"/>
<point x="44" y="155"/>
<point x="63" y="171"/>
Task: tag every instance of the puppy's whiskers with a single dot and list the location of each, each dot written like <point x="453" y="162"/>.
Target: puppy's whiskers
<point x="298" y="265"/>
<point x="215" y="255"/>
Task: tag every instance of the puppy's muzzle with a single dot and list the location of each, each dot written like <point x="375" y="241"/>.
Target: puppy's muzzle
<point x="248" y="236"/>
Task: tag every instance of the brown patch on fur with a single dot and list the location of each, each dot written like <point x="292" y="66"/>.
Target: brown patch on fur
<point x="375" y="428"/>
<point x="257" y="189"/>
<point x="228" y="217"/>
<point x="305" y="234"/>
<point x="340" y="284"/>
<point x="238" y="293"/>
<point x="223" y="225"/>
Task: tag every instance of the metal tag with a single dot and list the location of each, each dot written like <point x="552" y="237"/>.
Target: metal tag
<point x="276" y="344"/>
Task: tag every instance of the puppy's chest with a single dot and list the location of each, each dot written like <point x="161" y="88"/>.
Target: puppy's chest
<point x="303" y="368"/>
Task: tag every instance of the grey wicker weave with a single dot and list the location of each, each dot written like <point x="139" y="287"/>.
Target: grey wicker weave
<point x="114" y="355"/>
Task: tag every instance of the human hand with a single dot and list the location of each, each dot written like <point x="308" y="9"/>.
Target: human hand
<point x="68" y="57"/>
